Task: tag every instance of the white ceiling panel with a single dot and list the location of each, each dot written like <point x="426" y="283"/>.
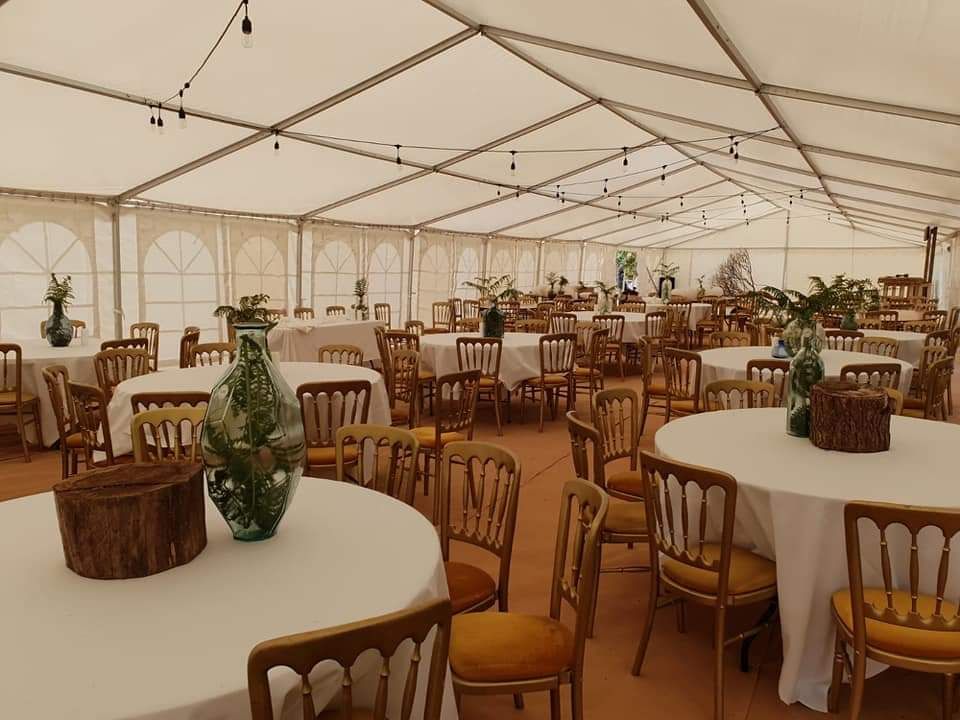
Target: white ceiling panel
<point x="894" y="177"/>
<point x="489" y="218"/>
<point x="570" y="216"/>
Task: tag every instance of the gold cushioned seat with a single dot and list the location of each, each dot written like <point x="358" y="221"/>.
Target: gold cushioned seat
<point x="75" y="440"/>
<point x="328" y="455"/>
<point x="10" y="397"/>
<point x="499" y="647"/>
<point x="657" y="387"/>
<point x="941" y="644"/>
<point x="550" y="379"/>
<point x="686" y="406"/>
<point x="426" y="375"/>
<point x="469" y="585"/>
<point x="629" y="482"/>
<point x="399" y="414"/>
<point x="488" y="382"/>
<point x="585" y="371"/>
<point x="428" y="436"/>
<point x="748" y="572"/>
<point x="626" y="517"/>
<point x="337" y="714"/>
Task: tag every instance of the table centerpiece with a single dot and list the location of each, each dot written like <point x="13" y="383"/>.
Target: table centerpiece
<point x="59" y="329"/>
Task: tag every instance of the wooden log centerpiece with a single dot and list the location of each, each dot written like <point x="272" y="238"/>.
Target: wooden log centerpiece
<point x="848" y="417"/>
<point x="130" y="521"/>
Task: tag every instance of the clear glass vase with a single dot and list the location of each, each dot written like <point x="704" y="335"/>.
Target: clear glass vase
<point x="253" y="439"/>
<point x="59" y="329"/>
<point x="806" y="370"/>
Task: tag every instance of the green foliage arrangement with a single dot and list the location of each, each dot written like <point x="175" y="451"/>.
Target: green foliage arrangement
<point x="494" y="288"/>
<point x="252" y="308"/>
<point x="607" y="291"/>
<point x="59" y="291"/>
<point x="360" y="308"/>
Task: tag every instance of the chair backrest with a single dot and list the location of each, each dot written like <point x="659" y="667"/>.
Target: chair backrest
<point x="11" y="370"/>
<point x="457" y="305"/>
<point x="585" y="449"/>
<point x="479" y="494"/>
<point x="344" y="645"/>
<point x="842" y="339"/>
<point x="327" y="406"/>
<point x="90" y="414"/>
<point x="188" y="340"/>
<point x="303" y="313"/>
<point x="340" y="354"/>
<point x="443" y="315"/>
<point x="936" y="382"/>
<point x="335" y="310"/>
<point x="879" y="375"/>
<point x="140" y="343"/>
<point x="612" y="323"/>
<point x="537" y="326"/>
<point x="563" y="322"/>
<point x="876" y="345"/>
<point x="655" y="324"/>
<point x="738" y="394"/>
<point x="154" y="400"/>
<point x="680" y="533"/>
<point x="471" y="308"/>
<point x="597" y="349"/>
<point x="405" y="380"/>
<point x="632" y="307"/>
<point x="682" y="370"/>
<point x="938" y="316"/>
<point x="730" y="338"/>
<point x="212" y="353"/>
<point x="481" y="354"/>
<point x="382" y="312"/>
<point x="939" y="337"/>
<point x="381" y="458"/>
<point x="456" y="403"/>
<point x="775" y="372"/>
<point x="275" y="314"/>
<point x="57" y="380"/>
<point x="584" y="332"/>
<point x="898" y="604"/>
<point x="576" y="560"/>
<point x="399" y="340"/>
<point x="119" y="364"/>
<point x="678" y="317"/>
<point x="168" y="434"/>
<point x="615" y="413"/>
<point x="414" y="327"/>
<point x="150" y="331"/>
<point x="558" y="352"/>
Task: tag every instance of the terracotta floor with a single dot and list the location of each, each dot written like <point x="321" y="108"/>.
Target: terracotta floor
<point x="676" y="681"/>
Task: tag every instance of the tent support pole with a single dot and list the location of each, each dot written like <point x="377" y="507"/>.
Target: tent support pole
<point x="412" y="237"/>
<point x="299" y="263"/>
<point x="117" y="287"/>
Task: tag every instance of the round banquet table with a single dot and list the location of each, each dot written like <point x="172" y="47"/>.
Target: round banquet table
<point x="731" y="363"/>
<point x="294" y="340"/>
<point x="911" y="343"/>
<point x="202" y="379"/>
<point x="519" y="359"/>
<point x="175" y="645"/>
<point x="634" y="324"/>
<point x="37" y="354"/>
<point x="790" y="505"/>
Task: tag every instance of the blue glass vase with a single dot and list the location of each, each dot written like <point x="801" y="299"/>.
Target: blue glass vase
<point x="59" y="329"/>
<point x="780" y="350"/>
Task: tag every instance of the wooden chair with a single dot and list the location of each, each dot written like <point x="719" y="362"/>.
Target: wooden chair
<point x="617" y="415"/>
<point x="518" y="653"/>
<point x="932" y="406"/>
<point x="456" y="410"/>
<point x="443" y="316"/>
<point x="563" y="322"/>
<point x="336" y="311"/>
<point x="557" y="355"/>
<point x="895" y="623"/>
<point x="150" y="331"/>
<point x="483" y="354"/>
<point x="588" y="372"/>
<point x="511" y="313"/>
<point x="879" y="375"/>
<point x="876" y="345"/>
<point x="678" y="322"/>
<point x="615" y="352"/>
<point x="275" y="315"/>
<point x="189" y="339"/>
<point x="14" y="400"/>
<point x="344" y="645"/>
<point x="115" y="366"/>
<point x="139" y="402"/>
<point x="471" y="308"/>
<point x="687" y="568"/>
<point x="714" y="322"/>
<point x="90" y="413"/>
<point x="479" y="493"/>
<point x="340" y="354"/>
<point x="657" y="332"/>
<point x="415" y="327"/>
<point x="126" y="343"/>
<point x="842" y="339"/>
<point x="457" y="304"/>
<point x="538" y="326"/>
<point x="682" y="369"/>
<point x="325" y="407"/>
<point x="939" y="317"/>
<point x="426" y="382"/>
<point x="626" y="522"/>
<point x="57" y="379"/>
<point x="466" y="325"/>
<point x="212" y="353"/>
<point x="404" y="384"/>
<point x="381" y="458"/>
<point x="382" y="312"/>
<point x="632" y="307"/>
<point x="730" y="338"/>
<point x="303" y="313"/>
<point x="774" y="372"/>
<point x="168" y="434"/>
<point x="738" y="394"/>
<point x="953" y="318"/>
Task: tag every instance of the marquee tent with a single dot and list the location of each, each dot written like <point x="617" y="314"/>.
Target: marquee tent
<point x="822" y="136"/>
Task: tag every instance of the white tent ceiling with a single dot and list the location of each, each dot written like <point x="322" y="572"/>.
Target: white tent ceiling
<point x="856" y="103"/>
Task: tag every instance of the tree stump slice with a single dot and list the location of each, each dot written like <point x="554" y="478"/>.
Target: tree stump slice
<point x="130" y="521"/>
<point x="848" y="417"/>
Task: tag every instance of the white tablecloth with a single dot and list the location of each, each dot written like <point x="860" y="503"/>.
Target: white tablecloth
<point x="77" y="357"/>
<point x="174" y="645"/>
<point x="295" y="340"/>
<point x="731" y="363"/>
<point x="911" y="343"/>
<point x="519" y="359"/>
<point x="202" y="379"/>
<point x="634" y="326"/>
<point x="790" y="509"/>
<point x="698" y="310"/>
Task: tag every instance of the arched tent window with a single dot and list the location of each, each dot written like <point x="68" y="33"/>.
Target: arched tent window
<point x="467" y="254"/>
<point x="259" y="266"/>
<point x="179" y="288"/>
<point x="552" y="260"/>
<point x="502" y="258"/>
<point x="31" y="251"/>
<point x="526" y="278"/>
<point x="385" y="272"/>
<point x="433" y="273"/>
<point x="592" y="264"/>
<point x="334" y="267"/>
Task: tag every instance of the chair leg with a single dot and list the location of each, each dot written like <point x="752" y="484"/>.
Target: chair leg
<point x="543" y="401"/>
<point x="555" y="704"/>
<point x="857" y="681"/>
<point x="681" y="612"/>
<point x="22" y="429"/>
<point x="643" y="411"/>
<point x="949" y="686"/>
<point x="518" y="701"/>
<point x="720" y="624"/>
<point x="576" y="698"/>
<point x="836" y="681"/>
<point x="596" y="593"/>
<point x="620" y="362"/>
<point x="496" y="408"/>
<point x="651" y="614"/>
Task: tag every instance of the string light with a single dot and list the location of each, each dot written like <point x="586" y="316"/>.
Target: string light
<point x="397" y="161"/>
<point x="153" y="120"/>
<point x="160" y="119"/>
<point x="604" y="186"/>
<point x="557" y="193"/>
<point x="518" y="191"/>
<point x="276" y="142"/>
<point x="563" y="198"/>
<point x="663" y="173"/>
<point x="498" y="191"/>
<point x="246" y="27"/>
<point x="625" y="161"/>
<point x="681" y="201"/>
<point x="730" y="151"/>
<point x="513" y="163"/>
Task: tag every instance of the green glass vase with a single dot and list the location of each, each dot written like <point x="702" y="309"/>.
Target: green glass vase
<point x="59" y="329"/>
<point x="253" y="439"/>
<point x="806" y="370"/>
<point x="493" y="320"/>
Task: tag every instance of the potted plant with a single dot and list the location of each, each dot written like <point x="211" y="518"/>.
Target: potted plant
<point x="492" y="290"/>
<point x="59" y="329"/>
<point x="605" y="295"/>
<point x="701" y="291"/>
<point x="253" y="438"/>
<point x="562" y="283"/>
<point x="359" y="307"/>
<point x="851" y="297"/>
<point x="552" y="279"/>
<point x="667" y="279"/>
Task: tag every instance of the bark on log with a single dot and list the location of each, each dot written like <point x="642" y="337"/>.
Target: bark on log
<point x="845" y="416"/>
<point x="130" y="521"/>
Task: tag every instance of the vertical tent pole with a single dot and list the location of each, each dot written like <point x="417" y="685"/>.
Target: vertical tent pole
<point x="117" y="287"/>
<point x="412" y="236"/>
<point x="299" y="263"/>
<point x="538" y="280"/>
<point x="583" y="250"/>
<point x="786" y="256"/>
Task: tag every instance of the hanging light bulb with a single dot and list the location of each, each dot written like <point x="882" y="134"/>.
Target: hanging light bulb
<point x="181" y="114"/>
<point x="730" y="151"/>
<point x="518" y="191"/>
<point x="604" y="186"/>
<point x="663" y="173"/>
<point x="563" y="198"/>
<point x="276" y="142"/>
<point x="681" y="201"/>
<point x="246" y="28"/>
<point x="498" y="191"/>
<point x="801" y="193"/>
<point x="160" y="119"/>
<point x="153" y="120"/>
<point x="398" y="163"/>
<point x="513" y="163"/>
<point x="625" y="161"/>
<point x="736" y="151"/>
<point x="557" y="193"/>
